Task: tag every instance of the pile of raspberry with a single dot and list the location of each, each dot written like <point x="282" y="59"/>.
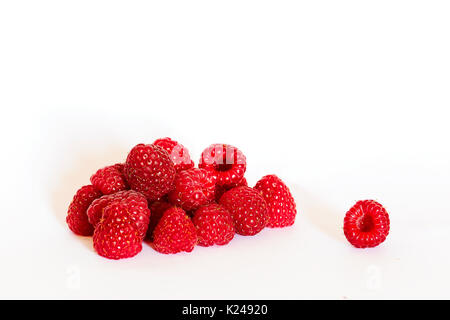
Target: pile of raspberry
<point x="158" y="196"/>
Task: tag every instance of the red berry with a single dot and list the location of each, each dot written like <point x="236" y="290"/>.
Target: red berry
<point x="248" y="209"/>
<point x="150" y="170"/>
<point x="157" y="209"/>
<point x="175" y="232"/>
<point x="136" y="205"/>
<point x="214" y="225"/>
<point x="178" y="153"/>
<point x="109" y="180"/>
<point x="225" y="162"/>
<point x="193" y="188"/>
<point x="366" y="224"/>
<point x="76" y="215"/>
<point x="220" y="190"/>
<point x="281" y="204"/>
<point x="116" y="236"/>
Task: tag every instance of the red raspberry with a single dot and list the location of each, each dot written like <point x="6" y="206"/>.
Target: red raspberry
<point x="157" y="209"/>
<point x="116" y="236"/>
<point x="281" y="204"/>
<point x="76" y="215"/>
<point x="109" y="179"/>
<point x="175" y="232"/>
<point x="150" y="171"/>
<point x="178" y="153"/>
<point x="248" y="209"/>
<point x="214" y="225"/>
<point x="220" y="190"/>
<point x="193" y="188"/>
<point x="225" y="162"/>
<point x="135" y="202"/>
<point x="366" y="224"/>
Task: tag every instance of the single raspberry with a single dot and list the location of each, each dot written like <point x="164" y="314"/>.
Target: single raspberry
<point x="116" y="236"/>
<point x="135" y="203"/>
<point x="193" y="188"/>
<point x="77" y="219"/>
<point x="220" y="190"/>
<point x="150" y="170"/>
<point x="109" y="179"/>
<point x="157" y="209"/>
<point x="225" y="162"/>
<point x="366" y="224"/>
<point x="248" y="210"/>
<point x="214" y="225"/>
<point x="281" y="204"/>
<point x="178" y="153"/>
<point x="175" y="232"/>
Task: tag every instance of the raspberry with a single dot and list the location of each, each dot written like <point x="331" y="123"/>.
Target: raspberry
<point x="109" y="179"/>
<point x="220" y="190"/>
<point x="281" y="204"/>
<point x="175" y="232"/>
<point x="248" y="209"/>
<point x="76" y="215"/>
<point x="150" y="171"/>
<point x="193" y="188"/>
<point x="178" y="153"/>
<point x="225" y="162"/>
<point x="157" y="209"/>
<point x="366" y="224"/>
<point x="214" y="225"/>
<point x="116" y="236"/>
<point x="135" y="203"/>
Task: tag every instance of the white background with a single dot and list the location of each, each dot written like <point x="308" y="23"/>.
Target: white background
<point x="344" y="100"/>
